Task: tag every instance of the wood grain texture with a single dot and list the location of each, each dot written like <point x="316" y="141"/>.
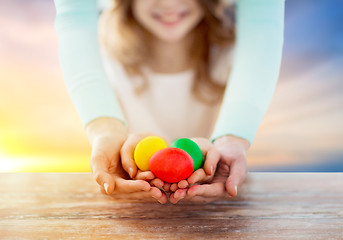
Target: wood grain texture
<point x="268" y="206"/>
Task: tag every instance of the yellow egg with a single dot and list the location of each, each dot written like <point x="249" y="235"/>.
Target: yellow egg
<point x="145" y="149"/>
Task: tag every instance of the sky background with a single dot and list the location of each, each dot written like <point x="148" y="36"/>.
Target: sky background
<point x="302" y="130"/>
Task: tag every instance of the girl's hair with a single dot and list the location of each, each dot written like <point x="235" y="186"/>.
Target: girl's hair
<point x="127" y="41"/>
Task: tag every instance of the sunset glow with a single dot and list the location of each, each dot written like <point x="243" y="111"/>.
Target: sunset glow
<point x="40" y="131"/>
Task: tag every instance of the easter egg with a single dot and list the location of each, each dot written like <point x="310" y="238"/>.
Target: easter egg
<point x="145" y="149"/>
<point x="171" y="165"/>
<point x="192" y="149"/>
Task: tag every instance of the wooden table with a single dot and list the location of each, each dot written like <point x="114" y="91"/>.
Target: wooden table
<point x="268" y="206"/>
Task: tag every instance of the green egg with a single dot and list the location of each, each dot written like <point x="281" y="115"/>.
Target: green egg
<point x="192" y="149"/>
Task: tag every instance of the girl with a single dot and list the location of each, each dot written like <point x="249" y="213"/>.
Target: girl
<point x="168" y="64"/>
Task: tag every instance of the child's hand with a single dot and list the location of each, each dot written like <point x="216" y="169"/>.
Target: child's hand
<point x="129" y="165"/>
<point x="201" y="175"/>
<point x="231" y="171"/>
<point x="106" y="136"/>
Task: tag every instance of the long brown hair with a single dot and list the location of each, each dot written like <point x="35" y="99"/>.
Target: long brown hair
<point x="127" y="40"/>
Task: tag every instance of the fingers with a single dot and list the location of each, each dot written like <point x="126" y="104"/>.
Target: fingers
<point x="211" y="162"/>
<point x="238" y="172"/>
<point x="110" y="183"/>
<point x="100" y="165"/>
<point x="126" y="153"/>
<point x="183" y="183"/>
<point x="146" y="175"/>
<point x="211" y="155"/>
<point x="173" y="187"/>
<point x="200" y="199"/>
<point x="106" y="181"/>
<point x="177" y="196"/>
<point x="157" y="194"/>
<point x="153" y="193"/>
<point x="157" y="183"/>
<point x="129" y="186"/>
<point x="197" y="176"/>
<point x="166" y="187"/>
<point x="207" y="190"/>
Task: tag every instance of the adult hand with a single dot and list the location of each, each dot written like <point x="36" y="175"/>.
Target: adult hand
<point x="204" y="174"/>
<point x="106" y="136"/>
<point x="231" y="172"/>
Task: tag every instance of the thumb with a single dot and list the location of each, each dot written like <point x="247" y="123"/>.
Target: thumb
<point x="126" y="153"/>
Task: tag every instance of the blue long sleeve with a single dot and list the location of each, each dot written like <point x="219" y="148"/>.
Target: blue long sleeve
<point x="81" y="63"/>
<point x="250" y="86"/>
<point x="255" y="70"/>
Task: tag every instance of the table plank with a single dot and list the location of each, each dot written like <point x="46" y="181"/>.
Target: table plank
<point x="268" y="206"/>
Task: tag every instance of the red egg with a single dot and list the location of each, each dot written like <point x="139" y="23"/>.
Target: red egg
<point x="171" y="165"/>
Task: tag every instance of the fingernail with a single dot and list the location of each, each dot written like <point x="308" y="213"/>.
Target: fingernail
<point x="131" y="172"/>
<point x="236" y="189"/>
<point x="211" y="170"/>
<point x="106" y="185"/>
<point x="156" y="199"/>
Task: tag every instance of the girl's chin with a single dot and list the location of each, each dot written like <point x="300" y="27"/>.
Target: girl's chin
<point x="171" y="40"/>
<point x="171" y="37"/>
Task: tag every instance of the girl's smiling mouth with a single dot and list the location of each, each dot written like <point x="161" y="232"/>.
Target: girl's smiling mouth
<point x="170" y="18"/>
